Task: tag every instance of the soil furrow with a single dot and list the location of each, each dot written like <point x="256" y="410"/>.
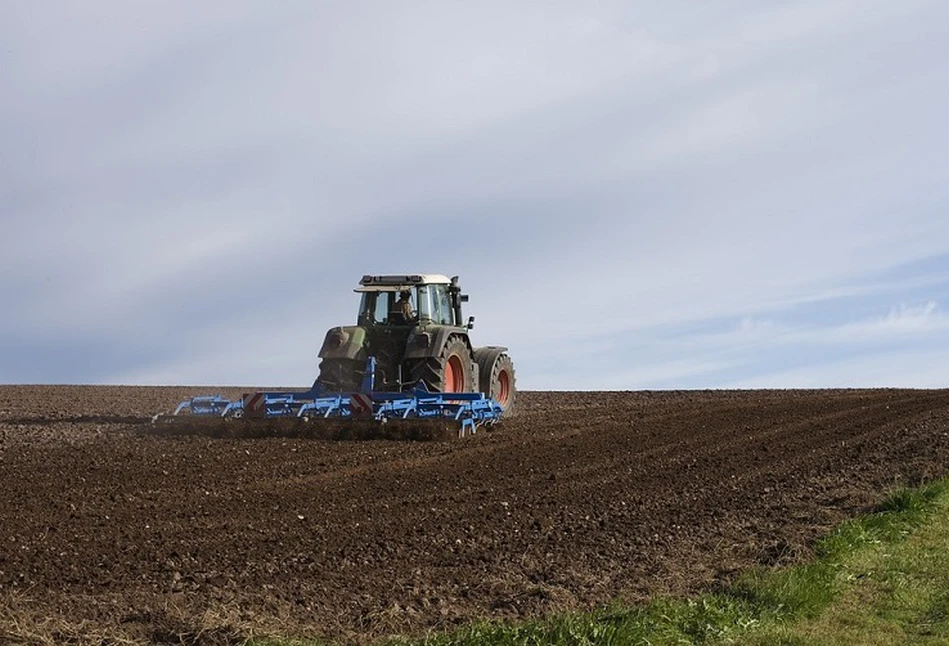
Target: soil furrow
<point x="581" y="499"/>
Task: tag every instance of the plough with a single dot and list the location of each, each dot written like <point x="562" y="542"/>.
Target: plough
<point x="469" y="410"/>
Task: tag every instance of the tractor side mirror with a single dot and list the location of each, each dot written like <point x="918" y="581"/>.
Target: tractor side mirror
<point x="470" y="322"/>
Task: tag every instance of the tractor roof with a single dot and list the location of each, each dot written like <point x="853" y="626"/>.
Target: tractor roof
<point x="396" y="282"/>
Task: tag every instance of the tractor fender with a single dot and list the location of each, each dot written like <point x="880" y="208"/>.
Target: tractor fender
<point x="485" y="357"/>
<point x="428" y="341"/>
<point x="344" y="343"/>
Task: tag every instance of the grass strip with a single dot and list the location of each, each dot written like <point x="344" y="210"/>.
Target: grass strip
<point x="880" y="579"/>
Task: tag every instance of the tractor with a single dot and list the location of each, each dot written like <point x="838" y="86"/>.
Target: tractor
<point x="414" y="328"/>
<point x="407" y="367"/>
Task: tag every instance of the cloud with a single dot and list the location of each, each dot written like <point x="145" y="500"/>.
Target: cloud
<point x="649" y="195"/>
<point x="913" y="369"/>
<point x="903" y="320"/>
<point x="777" y="349"/>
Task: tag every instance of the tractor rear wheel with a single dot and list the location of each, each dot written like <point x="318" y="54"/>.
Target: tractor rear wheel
<point x="341" y="375"/>
<point x="449" y="372"/>
<point x="498" y="381"/>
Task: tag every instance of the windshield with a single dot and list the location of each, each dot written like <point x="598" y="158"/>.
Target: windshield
<point x="402" y="307"/>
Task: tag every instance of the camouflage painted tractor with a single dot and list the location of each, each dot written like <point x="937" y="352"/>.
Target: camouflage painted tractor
<point x="414" y="327"/>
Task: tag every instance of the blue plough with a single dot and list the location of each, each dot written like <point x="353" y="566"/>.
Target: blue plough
<point x="469" y="410"/>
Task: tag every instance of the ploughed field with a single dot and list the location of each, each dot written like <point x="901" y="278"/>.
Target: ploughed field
<point x="111" y="529"/>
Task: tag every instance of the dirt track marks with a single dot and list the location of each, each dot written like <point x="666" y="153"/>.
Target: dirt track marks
<point x="582" y="498"/>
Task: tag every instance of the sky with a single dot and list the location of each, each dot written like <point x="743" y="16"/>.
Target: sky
<point x="636" y="195"/>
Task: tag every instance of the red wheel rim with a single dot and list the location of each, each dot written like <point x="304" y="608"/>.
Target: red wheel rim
<point x="454" y="375"/>
<point x="504" y="388"/>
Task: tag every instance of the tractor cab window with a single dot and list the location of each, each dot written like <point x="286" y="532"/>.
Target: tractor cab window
<point x="374" y="308"/>
<point x="386" y="308"/>
<point x="442" y="312"/>
<point x="430" y="304"/>
<point x="424" y="303"/>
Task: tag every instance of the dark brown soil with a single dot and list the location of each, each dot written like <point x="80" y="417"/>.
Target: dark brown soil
<point x="111" y="531"/>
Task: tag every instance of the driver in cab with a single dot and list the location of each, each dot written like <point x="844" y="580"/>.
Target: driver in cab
<point x="403" y="309"/>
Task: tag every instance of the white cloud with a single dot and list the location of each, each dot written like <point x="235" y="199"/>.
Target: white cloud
<point x="913" y="369"/>
<point x="902" y="323"/>
<point x="903" y="320"/>
<point x="593" y="172"/>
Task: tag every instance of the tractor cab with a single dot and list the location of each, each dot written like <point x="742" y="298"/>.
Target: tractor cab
<point x="432" y="300"/>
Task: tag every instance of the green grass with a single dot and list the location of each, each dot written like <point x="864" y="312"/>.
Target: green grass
<point x="880" y="579"/>
<point x="894" y="590"/>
